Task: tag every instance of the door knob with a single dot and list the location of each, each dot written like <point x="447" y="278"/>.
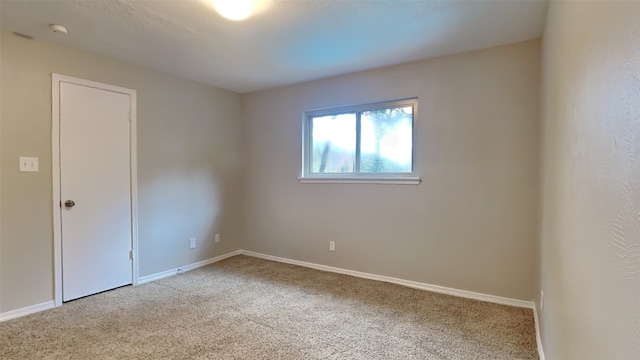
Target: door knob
<point x="69" y="203"/>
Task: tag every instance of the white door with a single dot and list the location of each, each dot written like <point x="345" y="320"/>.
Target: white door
<point x="95" y="189"/>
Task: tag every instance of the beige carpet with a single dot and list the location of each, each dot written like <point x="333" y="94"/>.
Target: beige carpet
<point x="248" y="308"/>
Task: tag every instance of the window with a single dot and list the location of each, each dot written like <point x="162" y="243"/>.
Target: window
<point x="363" y="143"/>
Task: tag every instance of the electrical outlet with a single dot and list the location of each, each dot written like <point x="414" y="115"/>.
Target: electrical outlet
<point x="332" y="246"/>
<point x="541" y="300"/>
<point x="28" y="164"/>
<point x="192" y="243"/>
<point x="217" y="238"/>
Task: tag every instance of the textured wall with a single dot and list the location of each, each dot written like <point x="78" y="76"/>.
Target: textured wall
<point x="188" y="165"/>
<point x="590" y="255"/>
<point x="470" y="225"/>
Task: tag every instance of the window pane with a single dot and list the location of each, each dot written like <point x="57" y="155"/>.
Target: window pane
<point x="386" y="140"/>
<point x="333" y="143"/>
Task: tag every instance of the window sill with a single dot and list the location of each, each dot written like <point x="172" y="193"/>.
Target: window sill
<point x="389" y="180"/>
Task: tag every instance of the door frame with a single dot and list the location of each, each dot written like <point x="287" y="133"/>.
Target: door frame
<point x="56" y="80"/>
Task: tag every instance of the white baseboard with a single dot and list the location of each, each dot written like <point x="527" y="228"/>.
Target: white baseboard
<point x="26" y="311"/>
<point x="178" y="270"/>
<point x="538" y="336"/>
<point x="145" y="279"/>
<point x="409" y="283"/>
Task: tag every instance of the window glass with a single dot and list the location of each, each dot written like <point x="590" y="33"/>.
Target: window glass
<point x="369" y="142"/>
<point x="386" y="140"/>
<point x="333" y="142"/>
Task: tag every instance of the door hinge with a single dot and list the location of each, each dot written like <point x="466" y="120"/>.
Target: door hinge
<point x="130" y="254"/>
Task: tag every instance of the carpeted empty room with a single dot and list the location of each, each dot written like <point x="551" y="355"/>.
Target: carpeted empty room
<point x="320" y="179"/>
<point x="249" y="308"/>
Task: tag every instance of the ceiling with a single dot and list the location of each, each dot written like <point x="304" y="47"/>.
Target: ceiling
<point x="284" y="42"/>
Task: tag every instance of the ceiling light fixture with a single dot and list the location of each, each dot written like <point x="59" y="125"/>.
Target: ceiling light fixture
<point x="58" y="28"/>
<point x="235" y="10"/>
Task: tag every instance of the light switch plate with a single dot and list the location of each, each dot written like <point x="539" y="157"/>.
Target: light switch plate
<point x="28" y="164"/>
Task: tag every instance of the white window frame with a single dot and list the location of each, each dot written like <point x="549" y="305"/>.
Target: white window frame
<point x="408" y="178"/>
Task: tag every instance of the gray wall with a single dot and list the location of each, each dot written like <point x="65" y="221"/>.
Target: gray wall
<point x="189" y="165"/>
<point x="214" y="161"/>
<point x="590" y="248"/>
<point x="470" y="225"/>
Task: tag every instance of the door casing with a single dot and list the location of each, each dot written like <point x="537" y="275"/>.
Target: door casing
<point x="55" y="171"/>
